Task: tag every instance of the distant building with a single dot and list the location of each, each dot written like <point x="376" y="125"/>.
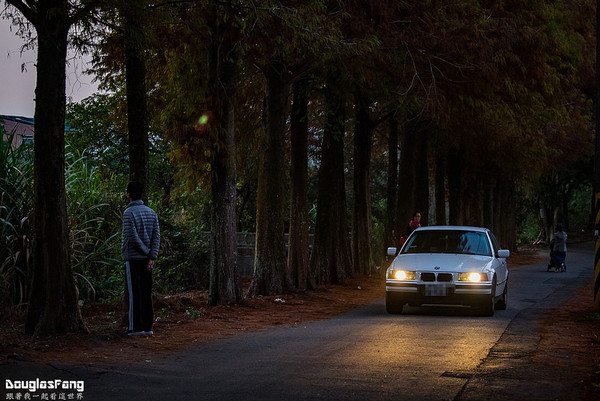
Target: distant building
<point x="20" y="127"/>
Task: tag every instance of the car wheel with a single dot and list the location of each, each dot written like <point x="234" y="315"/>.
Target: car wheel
<point x="486" y="307"/>
<point x="393" y="305"/>
<point x="502" y="302"/>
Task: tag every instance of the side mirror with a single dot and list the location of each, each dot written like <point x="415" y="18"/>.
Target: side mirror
<point x="391" y="251"/>
<point x="503" y="253"/>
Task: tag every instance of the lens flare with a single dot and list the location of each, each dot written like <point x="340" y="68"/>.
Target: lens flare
<point x="203" y="119"/>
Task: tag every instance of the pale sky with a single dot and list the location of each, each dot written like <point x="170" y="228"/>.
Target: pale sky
<point x="17" y="88"/>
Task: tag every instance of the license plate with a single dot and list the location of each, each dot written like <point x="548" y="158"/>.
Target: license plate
<point x="436" y="290"/>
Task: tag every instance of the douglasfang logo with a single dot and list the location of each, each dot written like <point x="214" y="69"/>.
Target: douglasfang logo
<point x="34" y="385"/>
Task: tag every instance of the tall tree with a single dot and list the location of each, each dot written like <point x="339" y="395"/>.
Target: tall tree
<point x="222" y="77"/>
<point x="299" y="247"/>
<point x="270" y="268"/>
<point x="362" y="257"/>
<point x="440" y="188"/>
<point x="135" y="76"/>
<point x="53" y="306"/>
<point x="422" y="171"/>
<point x="330" y="260"/>
<point x="199" y="88"/>
<point x="370" y="25"/>
<point x="454" y="169"/>
<point x="406" y="180"/>
<point x="392" y="232"/>
<point x="285" y="29"/>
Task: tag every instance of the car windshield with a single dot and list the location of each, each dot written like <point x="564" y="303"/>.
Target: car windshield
<point x="448" y="241"/>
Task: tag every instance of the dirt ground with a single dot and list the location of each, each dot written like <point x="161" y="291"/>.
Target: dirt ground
<point x="570" y="341"/>
<point x="570" y="335"/>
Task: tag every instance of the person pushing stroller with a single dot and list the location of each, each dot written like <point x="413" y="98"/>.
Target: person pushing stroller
<point x="558" y="250"/>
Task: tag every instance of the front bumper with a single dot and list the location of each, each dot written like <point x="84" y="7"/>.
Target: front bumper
<point x="418" y="293"/>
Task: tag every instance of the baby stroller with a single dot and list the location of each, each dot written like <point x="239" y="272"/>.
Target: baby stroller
<point x="558" y="250"/>
<point x="557" y="261"/>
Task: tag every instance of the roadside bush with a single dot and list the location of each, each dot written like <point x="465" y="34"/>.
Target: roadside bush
<point x="580" y="209"/>
<point x="184" y="259"/>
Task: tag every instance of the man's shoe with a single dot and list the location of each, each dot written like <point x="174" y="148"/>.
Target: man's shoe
<point x="148" y="333"/>
<point x="136" y="333"/>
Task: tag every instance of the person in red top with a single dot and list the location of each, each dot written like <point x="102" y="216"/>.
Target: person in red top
<point x="412" y="226"/>
<point x="414" y="223"/>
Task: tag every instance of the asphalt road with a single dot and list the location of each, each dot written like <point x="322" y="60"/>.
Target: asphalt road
<point x="441" y="353"/>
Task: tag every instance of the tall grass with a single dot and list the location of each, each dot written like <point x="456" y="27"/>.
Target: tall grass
<point x="93" y="222"/>
<point x="16" y="205"/>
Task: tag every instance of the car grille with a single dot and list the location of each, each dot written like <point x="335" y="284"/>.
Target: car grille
<point x="442" y="277"/>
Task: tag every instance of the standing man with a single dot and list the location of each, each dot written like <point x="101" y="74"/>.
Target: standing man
<point x="141" y="239"/>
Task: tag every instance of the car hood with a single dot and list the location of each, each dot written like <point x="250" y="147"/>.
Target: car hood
<point x="445" y="261"/>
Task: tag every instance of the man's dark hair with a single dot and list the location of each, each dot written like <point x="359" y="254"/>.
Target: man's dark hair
<point x="135" y="190"/>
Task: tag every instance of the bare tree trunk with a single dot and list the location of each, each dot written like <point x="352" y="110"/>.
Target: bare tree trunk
<point x="362" y="256"/>
<point x="270" y="267"/>
<point x="299" y="247"/>
<point x="406" y="181"/>
<point x="564" y="200"/>
<point x="440" y="189"/>
<point x="455" y="187"/>
<point x="330" y="261"/>
<point x="224" y="278"/>
<point x="473" y="203"/>
<point x="135" y="77"/>
<point x="392" y="233"/>
<point x="53" y="307"/>
<point x="224" y="287"/>
<point x="488" y="206"/>
<point x="504" y="213"/>
<point x="421" y="184"/>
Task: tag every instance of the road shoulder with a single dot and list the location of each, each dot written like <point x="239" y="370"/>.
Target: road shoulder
<point x="546" y="352"/>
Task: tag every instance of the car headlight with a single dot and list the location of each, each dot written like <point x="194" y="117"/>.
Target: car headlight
<point x="472" y="277"/>
<point x="402" y="275"/>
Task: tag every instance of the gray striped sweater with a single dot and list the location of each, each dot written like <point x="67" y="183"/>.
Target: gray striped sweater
<point x="141" y="233"/>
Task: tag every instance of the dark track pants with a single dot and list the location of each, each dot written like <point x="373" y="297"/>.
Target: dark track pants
<point x="139" y="286"/>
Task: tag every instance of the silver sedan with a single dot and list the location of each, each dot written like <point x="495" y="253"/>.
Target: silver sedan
<point x="451" y="265"/>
